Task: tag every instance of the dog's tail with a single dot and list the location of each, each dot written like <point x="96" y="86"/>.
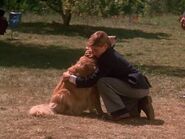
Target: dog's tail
<point x="41" y="110"/>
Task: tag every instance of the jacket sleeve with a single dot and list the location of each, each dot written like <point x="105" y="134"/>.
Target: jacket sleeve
<point x="84" y="82"/>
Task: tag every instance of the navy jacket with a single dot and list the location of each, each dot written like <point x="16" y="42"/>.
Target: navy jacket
<point x="112" y="64"/>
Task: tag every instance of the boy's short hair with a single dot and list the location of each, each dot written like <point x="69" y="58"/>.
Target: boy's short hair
<point x="98" y="38"/>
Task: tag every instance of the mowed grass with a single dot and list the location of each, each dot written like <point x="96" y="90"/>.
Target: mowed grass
<point x="41" y="49"/>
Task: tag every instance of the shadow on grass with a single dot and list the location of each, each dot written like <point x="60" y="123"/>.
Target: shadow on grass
<point x="35" y="56"/>
<point x="132" y="121"/>
<point x="141" y="121"/>
<point x="86" y="31"/>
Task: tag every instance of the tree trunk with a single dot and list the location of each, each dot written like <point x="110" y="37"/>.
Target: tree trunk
<point x="66" y="17"/>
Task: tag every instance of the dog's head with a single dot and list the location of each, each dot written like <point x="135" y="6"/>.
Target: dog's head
<point x="83" y="67"/>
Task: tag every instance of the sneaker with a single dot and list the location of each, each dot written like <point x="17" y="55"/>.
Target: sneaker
<point x="120" y="117"/>
<point x="116" y="118"/>
<point x="145" y="104"/>
<point x="134" y="112"/>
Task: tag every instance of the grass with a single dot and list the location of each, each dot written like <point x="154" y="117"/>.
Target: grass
<point x="32" y="63"/>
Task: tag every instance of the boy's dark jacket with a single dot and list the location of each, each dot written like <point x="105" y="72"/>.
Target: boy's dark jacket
<point x="112" y="64"/>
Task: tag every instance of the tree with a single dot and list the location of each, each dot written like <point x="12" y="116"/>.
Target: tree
<point x="104" y="8"/>
<point x="63" y="7"/>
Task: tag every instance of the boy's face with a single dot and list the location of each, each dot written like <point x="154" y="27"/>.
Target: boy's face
<point x="97" y="51"/>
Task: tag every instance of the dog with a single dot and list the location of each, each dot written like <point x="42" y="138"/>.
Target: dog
<point x="67" y="98"/>
<point x="73" y="100"/>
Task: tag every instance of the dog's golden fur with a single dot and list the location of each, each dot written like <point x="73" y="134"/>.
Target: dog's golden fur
<point x="67" y="98"/>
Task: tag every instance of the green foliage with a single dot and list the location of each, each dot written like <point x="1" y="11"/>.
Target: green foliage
<point x="89" y="7"/>
<point x="104" y="8"/>
<point x="2" y="3"/>
<point x="134" y="6"/>
<point x="178" y="8"/>
<point x="109" y="7"/>
<point x="97" y="7"/>
<point x="165" y="6"/>
<point x="25" y="5"/>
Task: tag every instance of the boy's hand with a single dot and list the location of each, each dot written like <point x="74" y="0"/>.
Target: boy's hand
<point x="66" y="76"/>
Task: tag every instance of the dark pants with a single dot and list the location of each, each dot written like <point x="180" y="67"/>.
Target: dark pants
<point x="118" y="95"/>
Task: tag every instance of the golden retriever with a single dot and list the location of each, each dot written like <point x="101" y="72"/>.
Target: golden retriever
<point x="67" y="98"/>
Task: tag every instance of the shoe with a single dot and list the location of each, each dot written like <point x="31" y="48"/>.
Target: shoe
<point x="134" y="112"/>
<point x="121" y="117"/>
<point x="145" y="104"/>
<point x="116" y="118"/>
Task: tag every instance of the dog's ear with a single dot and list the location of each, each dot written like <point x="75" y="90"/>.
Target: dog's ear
<point x="90" y="67"/>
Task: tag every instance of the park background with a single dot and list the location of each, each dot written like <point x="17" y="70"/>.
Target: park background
<point x="52" y="35"/>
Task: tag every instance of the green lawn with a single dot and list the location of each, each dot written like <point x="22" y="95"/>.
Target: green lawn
<point x="31" y="65"/>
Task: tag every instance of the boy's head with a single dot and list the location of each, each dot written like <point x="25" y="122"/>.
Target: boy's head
<point x="99" y="38"/>
<point x="98" y="42"/>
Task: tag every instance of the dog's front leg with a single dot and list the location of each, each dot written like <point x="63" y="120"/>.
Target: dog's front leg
<point x="96" y="101"/>
<point x="98" y="106"/>
<point x="59" y="86"/>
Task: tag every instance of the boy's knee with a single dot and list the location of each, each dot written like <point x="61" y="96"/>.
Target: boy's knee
<point x="102" y="84"/>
